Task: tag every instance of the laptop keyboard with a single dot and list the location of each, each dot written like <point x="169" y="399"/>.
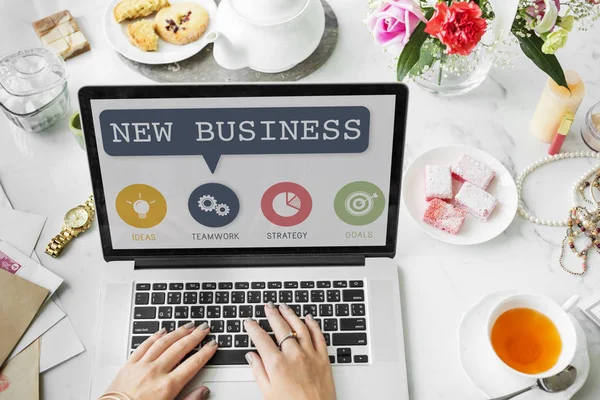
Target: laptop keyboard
<point x="339" y="306"/>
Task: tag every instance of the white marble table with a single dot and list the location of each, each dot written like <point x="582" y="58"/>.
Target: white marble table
<point x="47" y="174"/>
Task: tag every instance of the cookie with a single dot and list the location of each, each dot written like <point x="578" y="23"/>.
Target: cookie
<point x="141" y="34"/>
<point x="181" y="23"/>
<point x="130" y="9"/>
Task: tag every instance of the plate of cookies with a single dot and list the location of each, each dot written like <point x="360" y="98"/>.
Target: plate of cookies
<point x="159" y="31"/>
<point x="460" y="195"/>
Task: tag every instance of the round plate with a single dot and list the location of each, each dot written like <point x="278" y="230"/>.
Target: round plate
<point x="167" y="53"/>
<point x="473" y="230"/>
<point x="488" y="373"/>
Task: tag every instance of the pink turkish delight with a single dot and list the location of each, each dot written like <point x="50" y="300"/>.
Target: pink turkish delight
<point x="475" y="201"/>
<point x="438" y="182"/>
<point x="444" y="216"/>
<point x="469" y="170"/>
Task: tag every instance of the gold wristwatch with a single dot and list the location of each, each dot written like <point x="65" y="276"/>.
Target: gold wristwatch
<point x="77" y="220"/>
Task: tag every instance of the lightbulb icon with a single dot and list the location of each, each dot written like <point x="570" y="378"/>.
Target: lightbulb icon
<point x="141" y="207"/>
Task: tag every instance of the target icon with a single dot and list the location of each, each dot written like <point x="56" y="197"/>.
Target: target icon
<point x="360" y="203"/>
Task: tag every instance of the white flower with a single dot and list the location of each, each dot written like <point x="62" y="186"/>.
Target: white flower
<point x="549" y="19"/>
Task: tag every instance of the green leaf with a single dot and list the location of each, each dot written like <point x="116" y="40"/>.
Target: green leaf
<point x="532" y="47"/>
<point x="426" y="59"/>
<point x="412" y="51"/>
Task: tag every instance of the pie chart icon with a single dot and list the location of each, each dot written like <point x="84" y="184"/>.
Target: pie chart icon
<point x="286" y="204"/>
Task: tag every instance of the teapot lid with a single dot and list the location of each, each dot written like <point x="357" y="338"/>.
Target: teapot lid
<point x="268" y="11"/>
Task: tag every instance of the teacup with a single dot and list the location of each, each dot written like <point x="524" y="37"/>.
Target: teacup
<point x="538" y="335"/>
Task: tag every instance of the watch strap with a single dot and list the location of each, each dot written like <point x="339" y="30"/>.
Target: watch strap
<point x="89" y="205"/>
<point x="59" y="242"/>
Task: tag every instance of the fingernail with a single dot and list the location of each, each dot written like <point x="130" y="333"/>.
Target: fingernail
<point x="247" y="320"/>
<point x="270" y="304"/>
<point x="284" y="306"/>
<point x="203" y="326"/>
<point x="249" y="358"/>
<point x="189" y="325"/>
<point x="309" y="316"/>
<point x="205" y="393"/>
<point x="212" y="343"/>
<point x="162" y="331"/>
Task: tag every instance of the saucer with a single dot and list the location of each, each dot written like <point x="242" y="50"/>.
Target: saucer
<point x="488" y="374"/>
<point x="473" y="231"/>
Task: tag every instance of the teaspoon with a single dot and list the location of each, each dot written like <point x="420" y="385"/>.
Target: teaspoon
<point x="557" y="383"/>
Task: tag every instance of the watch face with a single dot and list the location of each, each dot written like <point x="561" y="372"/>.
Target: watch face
<point x="76" y="218"/>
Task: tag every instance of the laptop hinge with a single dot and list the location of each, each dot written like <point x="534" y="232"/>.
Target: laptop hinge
<point x="251" y="261"/>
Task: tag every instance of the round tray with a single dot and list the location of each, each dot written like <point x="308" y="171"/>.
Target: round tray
<point x="202" y="67"/>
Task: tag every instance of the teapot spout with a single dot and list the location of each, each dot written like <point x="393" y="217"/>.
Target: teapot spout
<point x="227" y="55"/>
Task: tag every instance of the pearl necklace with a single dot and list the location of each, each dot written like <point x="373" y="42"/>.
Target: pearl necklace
<point x="523" y="212"/>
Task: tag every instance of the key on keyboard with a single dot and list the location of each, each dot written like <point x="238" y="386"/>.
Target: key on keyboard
<point x="339" y="306"/>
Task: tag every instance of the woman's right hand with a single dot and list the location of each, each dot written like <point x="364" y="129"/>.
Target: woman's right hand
<point x="301" y="369"/>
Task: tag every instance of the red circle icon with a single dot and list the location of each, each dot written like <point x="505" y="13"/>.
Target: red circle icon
<point x="286" y="204"/>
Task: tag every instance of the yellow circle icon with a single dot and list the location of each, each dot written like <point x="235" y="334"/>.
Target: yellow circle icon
<point x="141" y="206"/>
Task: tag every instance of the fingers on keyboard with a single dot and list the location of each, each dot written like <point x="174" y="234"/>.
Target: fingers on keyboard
<point x="263" y="342"/>
<point x="338" y="308"/>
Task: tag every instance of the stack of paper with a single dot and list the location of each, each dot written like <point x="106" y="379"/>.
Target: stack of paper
<point x="40" y="335"/>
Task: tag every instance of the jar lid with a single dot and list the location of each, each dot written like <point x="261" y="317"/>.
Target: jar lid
<point x="31" y="71"/>
<point x="268" y="11"/>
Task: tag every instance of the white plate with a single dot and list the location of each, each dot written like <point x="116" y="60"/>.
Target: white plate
<point x="167" y="53"/>
<point x="486" y="371"/>
<point x="473" y="230"/>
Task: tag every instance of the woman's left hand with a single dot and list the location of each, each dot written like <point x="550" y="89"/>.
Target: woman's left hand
<point x="153" y="371"/>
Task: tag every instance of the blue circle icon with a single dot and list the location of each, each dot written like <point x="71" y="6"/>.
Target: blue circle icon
<point x="213" y="205"/>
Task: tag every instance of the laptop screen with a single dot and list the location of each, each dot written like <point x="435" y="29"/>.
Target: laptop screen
<point x="249" y="171"/>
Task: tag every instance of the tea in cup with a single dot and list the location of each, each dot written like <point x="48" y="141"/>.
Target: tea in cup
<point x="532" y="335"/>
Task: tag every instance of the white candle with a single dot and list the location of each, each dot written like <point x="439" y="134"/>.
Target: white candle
<point x="554" y="103"/>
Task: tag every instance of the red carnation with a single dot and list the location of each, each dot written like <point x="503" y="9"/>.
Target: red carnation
<point x="460" y="26"/>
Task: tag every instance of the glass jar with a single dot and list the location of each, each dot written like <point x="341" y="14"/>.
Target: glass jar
<point x="33" y="88"/>
<point x="590" y="130"/>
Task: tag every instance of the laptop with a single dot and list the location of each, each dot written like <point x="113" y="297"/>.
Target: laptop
<point x="226" y="197"/>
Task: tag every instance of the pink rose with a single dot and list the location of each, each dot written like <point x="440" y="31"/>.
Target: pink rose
<point x="393" y="22"/>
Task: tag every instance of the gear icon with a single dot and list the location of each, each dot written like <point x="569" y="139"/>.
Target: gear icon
<point x="207" y="203"/>
<point x="222" y="210"/>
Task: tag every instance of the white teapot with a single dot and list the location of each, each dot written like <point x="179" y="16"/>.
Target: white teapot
<point x="267" y="35"/>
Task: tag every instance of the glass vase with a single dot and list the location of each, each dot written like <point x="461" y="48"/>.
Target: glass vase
<point x="455" y="75"/>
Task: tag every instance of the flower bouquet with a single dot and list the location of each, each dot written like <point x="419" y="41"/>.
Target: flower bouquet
<point x="455" y="37"/>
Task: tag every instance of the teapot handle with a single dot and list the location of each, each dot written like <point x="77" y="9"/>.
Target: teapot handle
<point x="570" y="303"/>
<point x="212" y="37"/>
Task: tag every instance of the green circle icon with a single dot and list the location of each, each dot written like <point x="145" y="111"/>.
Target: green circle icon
<point x="359" y="203"/>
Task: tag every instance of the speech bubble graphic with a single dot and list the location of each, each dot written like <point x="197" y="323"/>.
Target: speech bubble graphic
<point x="213" y="132"/>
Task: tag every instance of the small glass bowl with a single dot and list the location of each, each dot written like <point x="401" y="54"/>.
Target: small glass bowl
<point x="590" y="130"/>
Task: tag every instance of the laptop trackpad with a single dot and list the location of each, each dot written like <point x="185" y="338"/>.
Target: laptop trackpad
<point x="233" y="390"/>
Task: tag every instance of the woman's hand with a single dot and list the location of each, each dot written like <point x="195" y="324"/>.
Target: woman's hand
<point x="301" y="369"/>
<point x="152" y="371"/>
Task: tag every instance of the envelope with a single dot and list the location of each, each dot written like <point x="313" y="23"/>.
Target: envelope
<point x="20" y="301"/>
<point x="20" y="378"/>
<point x="47" y="317"/>
<point x="17" y="263"/>
<point x="59" y="344"/>
<point x="4" y="202"/>
<point x="22" y="230"/>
